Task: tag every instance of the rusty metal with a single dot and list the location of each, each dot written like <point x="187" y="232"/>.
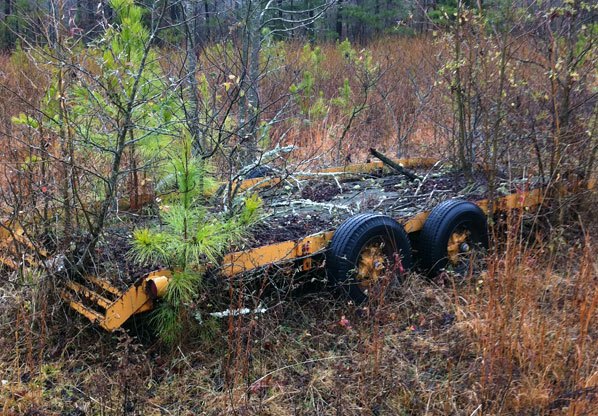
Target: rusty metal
<point x="455" y="244"/>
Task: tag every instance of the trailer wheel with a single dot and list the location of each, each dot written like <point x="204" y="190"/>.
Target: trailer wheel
<point x="454" y="232"/>
<point x="365" y="249"/>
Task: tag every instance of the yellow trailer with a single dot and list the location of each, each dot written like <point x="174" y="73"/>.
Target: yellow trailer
<point x="357" y="253"/>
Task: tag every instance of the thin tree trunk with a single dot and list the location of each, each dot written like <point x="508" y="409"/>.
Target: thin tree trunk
<point x="249" y="98"/>
<point x="497" y="122"/>
<point x="206" y="12"/>
<point x="339" y="20"/>
<point x="126" y="125"/>
<point x="66" y="145"/>
<point x="191" y="37"/>
<point x="462" y="133"/>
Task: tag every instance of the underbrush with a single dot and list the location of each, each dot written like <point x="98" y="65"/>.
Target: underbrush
<point x="517" y="338"/>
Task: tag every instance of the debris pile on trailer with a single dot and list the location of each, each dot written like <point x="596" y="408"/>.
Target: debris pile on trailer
<point x="295" y="207"/>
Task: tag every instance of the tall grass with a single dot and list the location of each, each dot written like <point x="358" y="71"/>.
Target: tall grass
<point x="394" y="116"/>
<point x="532" y="320"/>
<point x="518" y="338"/>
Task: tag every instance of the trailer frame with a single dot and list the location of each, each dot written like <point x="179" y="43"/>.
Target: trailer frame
<point x="142" y="296"/>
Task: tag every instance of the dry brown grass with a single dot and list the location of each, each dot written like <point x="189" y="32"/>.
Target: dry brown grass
<point x="395" y="119"/>
<point x="530" y="319"/>
<point x="518" y="338"/>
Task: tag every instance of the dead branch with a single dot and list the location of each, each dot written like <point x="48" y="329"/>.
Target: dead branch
<point x="392" y="164"/>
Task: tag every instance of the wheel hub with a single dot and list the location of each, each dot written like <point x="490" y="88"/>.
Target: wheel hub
<point x="457" y="244"/>
<point x="372" y="264"/>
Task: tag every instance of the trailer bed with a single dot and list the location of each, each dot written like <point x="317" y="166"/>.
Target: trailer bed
<point x="306" y="208"/>
<point x="296" y="208"/>
<point x="301" y="214"/>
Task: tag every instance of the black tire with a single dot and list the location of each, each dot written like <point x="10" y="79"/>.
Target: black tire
<point x="357" y="233"/>
<point x="446" y="218"/>
<point x="259" y="172"/>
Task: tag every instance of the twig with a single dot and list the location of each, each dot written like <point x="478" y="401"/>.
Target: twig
<point x="267" y="157"/>
<point x="426" y="177"/>
<point x="310" y="203"/>
<point x="326" y="174"/>
<point x="338" y="184"/>
<point x="93" y="399"/>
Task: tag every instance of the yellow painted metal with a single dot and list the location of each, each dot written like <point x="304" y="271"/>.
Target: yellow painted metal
<point x="148" y="306"/>
<point x="518" y="200"/>
<point x="247" y="260"/>
<point x="89" y="294"/>
<point x="134" y="300"/>
<point x="256" y="183"/>
<point x="126" y="306"/>
<point x="373" y="166"/>
<point x="415" y="223"/>
<point x="90" y="314"/>
<point x="11" y="231"/>
<point x="103" y="285"/>
<point x="112" y="314"/>
<point x="371" y="265"/>
<point x="160" y="281"/>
